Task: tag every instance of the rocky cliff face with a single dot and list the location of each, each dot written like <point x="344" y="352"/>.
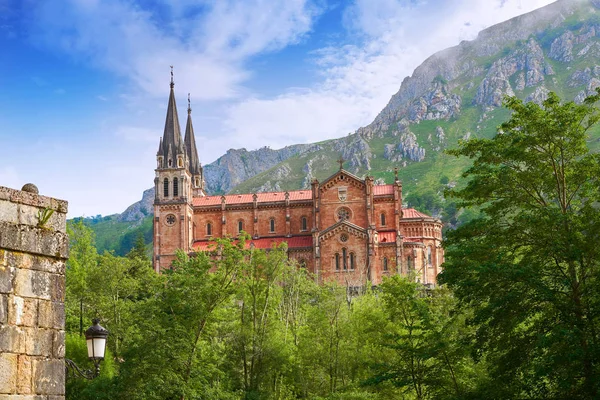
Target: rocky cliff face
<point x="454" y="94"/>
<point x="237" y="165"/>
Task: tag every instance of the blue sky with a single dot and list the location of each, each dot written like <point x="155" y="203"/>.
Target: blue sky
<point x="84" y="83"/>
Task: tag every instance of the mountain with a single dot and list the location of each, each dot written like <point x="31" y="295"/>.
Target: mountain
<point x="454" y="94"/>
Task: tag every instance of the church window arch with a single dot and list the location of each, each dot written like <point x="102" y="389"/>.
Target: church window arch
<point x="240" y="226"/>
<point x="428" y="255"/>
<point x="175" y="187"/>
<point x="304" y="222"/>
<point x="382" y="219"/>
<point x="272" y="225"/>
<point x="409" y="262"/>
<point x="385" y="263"/>
<point x="209" y="229"/>
<point x="170" y="162"/>
<point x="337" y="261"/>
<point x="352" y="261"/>
<point x="179" y="162"/>
<point x="345" y="258"/>
<point x="166" y="187"/>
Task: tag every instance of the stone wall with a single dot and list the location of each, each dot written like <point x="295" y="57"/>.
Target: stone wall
<point x="33" y="252"/>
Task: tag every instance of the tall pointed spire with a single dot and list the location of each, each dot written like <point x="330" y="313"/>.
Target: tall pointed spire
<point x="160" y="148"/>
<point x="172" y="144"/>
<point x="190" y="144"/>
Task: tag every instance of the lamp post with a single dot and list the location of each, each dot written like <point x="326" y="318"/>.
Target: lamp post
<point x="95" y="337"/>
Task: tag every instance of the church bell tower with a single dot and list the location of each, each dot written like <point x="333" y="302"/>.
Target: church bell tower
<point x="178" y="178"/>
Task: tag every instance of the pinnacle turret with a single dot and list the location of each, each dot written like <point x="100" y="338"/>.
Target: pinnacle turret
<point x="190" y="144"/>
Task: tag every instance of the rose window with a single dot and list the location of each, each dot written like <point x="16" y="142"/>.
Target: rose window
<point x="343" y="214"/>
<point x="171" y="219"/>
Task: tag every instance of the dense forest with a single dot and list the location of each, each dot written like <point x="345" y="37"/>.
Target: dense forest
<point x="516" y="314"/>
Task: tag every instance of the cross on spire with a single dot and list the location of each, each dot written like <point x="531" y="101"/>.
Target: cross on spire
<point x="189" y="105"/>
<point x="341" y="162"/>
<point x="172" y="82"/>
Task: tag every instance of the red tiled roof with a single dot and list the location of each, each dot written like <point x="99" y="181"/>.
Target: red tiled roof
<point x="412" y="213"/>
<point x="380" y="190"/>
<point x="247" y="198"/>
<point x="264" y="243"/>
<point x="387" y="237"/>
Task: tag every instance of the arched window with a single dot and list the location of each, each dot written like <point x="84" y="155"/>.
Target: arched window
<point x="170" y="162"/>
<point x="240" y="226"/>
<point x="352" y="261"/>
<point x="428" y="255"/>
<point x="304" y="224"/>
<point x="382" y="219"/>
<point x="344" y="259"/>
<point x="337" y="261"/>
<point x="179" y="162"/>
<point x="385" y="263"/>
<point x="408" y="262"/>
<point x="175" y="187"/>
<point x="166" y="187"/>
<point x="209" y="229"/>
<point x="272" y="225"/>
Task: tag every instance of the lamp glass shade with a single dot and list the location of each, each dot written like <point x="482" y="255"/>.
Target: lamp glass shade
<point x="96" y="341"/>
<point x="96" y="347"/>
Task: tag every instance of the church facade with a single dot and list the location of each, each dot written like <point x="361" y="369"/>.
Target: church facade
<point x="345" y="228"/>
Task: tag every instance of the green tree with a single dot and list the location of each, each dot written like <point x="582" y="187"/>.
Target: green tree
<point x="427" y="358"/>
<point x="83" y="257"/>
<point x="529" y="265"/>
<point x="178" y="354"/>
<point x="139" y="248"/>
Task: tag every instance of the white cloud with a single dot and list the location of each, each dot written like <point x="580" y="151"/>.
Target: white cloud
<point x="208" y="49"/>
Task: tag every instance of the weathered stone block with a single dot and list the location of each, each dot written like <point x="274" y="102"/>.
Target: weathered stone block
<point x="8" y="372"/>
<point x="51" y="314"/>
<point x="49" y="377"/>
<point x="34" y="240"/>
<point x="3" y="309"/>
<point x="6" y="278"/>
<point x="58" y="345"/>
<point x="26" y="397"/>
<point x="9" y="211"/>
<point x="57" y="287"/>
<point x="39" y="342"/>
<point x="11" y="339"/>
<point x="50" y="265"/>
<point x="22" y="311"/>
<point x="31" y="283"/>
<point x="24" y="374"/>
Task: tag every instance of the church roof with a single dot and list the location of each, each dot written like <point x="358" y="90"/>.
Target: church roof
<point x="190" y="145"/>
<point x="412" y="213"/>
<point x="172" y="144"/>
<point x="263" y="243"/>
<point x="265" y="197"/>
<point x="382" y="190"/>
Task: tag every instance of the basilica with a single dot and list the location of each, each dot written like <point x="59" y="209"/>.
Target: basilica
<point x="345" y="228"/>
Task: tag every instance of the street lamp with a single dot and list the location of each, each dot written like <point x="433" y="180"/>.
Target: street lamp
<point x="95" y="337"/>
